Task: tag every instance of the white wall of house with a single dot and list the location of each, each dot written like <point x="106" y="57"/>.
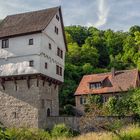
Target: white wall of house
<point x="19" y="46"/>
<point x="17" y="56"/>
<point x="56" y="40"/>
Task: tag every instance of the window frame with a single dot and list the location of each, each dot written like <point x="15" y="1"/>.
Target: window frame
<point x="96" y="85"/>
<point x="31" y="63"/>
<point x="56" y="30"/>
<point x="46" y="65"/>
<point x="83" y="100"/>
<point x="31" y="41"/>
<point x="59" y="70"/>
<point x="5" y="43"/>
<point x="59" y="52"/>
<point x="50" y="46"/>
<point x="57" y="17"/>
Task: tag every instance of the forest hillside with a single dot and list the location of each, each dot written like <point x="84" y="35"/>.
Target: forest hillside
<point x="91" y="50"/>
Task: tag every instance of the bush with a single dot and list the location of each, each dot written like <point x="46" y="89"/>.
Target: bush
<point x="61" y="130"/>
<point x="27" y="134"/>
<point x="131" y="133"/>
<point x="69" y="110"/>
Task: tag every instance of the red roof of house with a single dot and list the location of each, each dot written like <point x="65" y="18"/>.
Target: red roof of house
<point x="121" y="81"/>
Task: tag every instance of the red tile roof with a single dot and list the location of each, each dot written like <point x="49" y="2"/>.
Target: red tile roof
<point x="122" y="81"/>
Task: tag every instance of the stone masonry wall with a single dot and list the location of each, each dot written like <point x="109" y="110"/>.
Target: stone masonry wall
<point x="22" y="106"/>
<point x="48" y="93"/>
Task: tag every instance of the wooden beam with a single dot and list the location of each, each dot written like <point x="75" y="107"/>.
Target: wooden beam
<point x="37" y="83"/>
<point x="28" y="81"/>
<point x="15" y="82"/>
<point x="2" y="81"/>
<point x="43" y="81"/>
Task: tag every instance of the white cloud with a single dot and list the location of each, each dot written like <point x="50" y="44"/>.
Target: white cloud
<point x="103" y="10"/>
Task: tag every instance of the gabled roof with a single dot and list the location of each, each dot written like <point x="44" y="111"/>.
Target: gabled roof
<point x="121" y="81"/>
<point x="28" y="23"/>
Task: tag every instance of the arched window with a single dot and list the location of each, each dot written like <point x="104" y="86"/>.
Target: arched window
<point x="48" y="112"/>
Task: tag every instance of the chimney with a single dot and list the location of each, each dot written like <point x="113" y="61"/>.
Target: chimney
<point x="113" y="72"/>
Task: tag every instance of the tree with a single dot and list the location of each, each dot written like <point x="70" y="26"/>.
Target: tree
<point x="74" y="53"/>
<point x="96" y="39"/>
<point x="134" y="29"/>
<point x="78" y="33"/>
<point x="127" y="105"/>
<point x="87" y="68"/>
<point x="89" y="54"/>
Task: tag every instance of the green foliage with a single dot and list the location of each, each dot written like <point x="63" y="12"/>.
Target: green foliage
<point x="78" y="33"/>
<point x="129" y="133"/>
<point x="60" y="131"/>
<point x="87" y="68"/>
<point x="69" y="110"/>
<point x="24" y="134"/>
<point x="3" y="135"/>
<point x="91" y="50"/>
<point x="134" y="29"/>
<point x="128" y="104"/>
<point x="89" y="55"/>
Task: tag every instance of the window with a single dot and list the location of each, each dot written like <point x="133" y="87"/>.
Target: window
<point x="46" y="65"/>
<point x="5" y="43"/>
<point x="56" y="30"/>
<point x="48" y="112"/>
<point x="57" y="17"/>
<point x="14" y="115"/>
<point x="117" y="97"/>
<point x="58" y="70"/>
<point x="31" y="63"/>
<point x="95" y="85"/>
<point x="82" y="100"/>
<point x="105" y="99"/>
<point x="42" y="103"/>
<point x="59" y="52"/>
<point x="31" y="41"/>
<point x="50" y="46"/>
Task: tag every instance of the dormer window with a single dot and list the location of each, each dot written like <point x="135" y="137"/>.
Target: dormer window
<point x="31" y="41"/>
<point x="95" y="85"/>
<point x="5" y="43"/>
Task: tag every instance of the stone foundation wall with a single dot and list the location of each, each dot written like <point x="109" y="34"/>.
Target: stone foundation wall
<point x="72" y="122"/>
<point x="21" y="106"/>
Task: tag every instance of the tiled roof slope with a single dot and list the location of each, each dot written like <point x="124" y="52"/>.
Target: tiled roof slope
<point x="26" y="23"/>
<point x="122" y="81"/>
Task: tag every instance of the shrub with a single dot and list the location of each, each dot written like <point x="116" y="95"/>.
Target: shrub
<point x="69" y="110"/>
<point x="61" y="130"/>
<point x="131" y="133"/>
<point x="27" y="134"/>
<point x="3" y="136"/>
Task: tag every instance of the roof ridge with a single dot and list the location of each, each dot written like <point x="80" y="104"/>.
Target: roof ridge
<point x="41" y="10"/>
<point x="110" y="72"/>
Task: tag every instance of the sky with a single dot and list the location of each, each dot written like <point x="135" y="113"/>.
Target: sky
<point x="103" y="14"/>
